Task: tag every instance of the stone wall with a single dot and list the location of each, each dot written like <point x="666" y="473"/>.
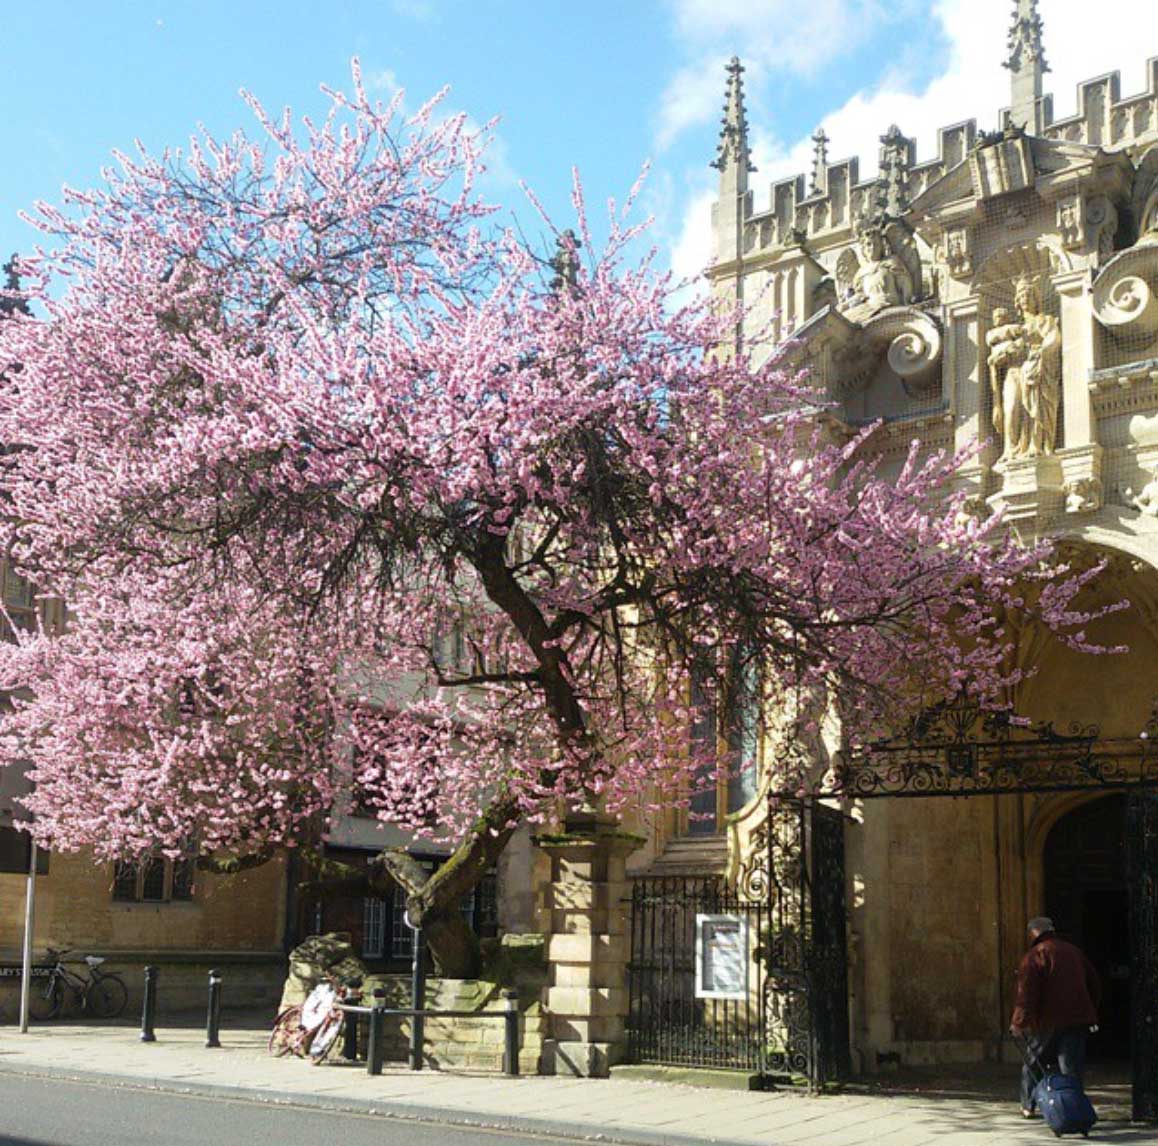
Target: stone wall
<point x="233" y="923"/>
<point x="75" y="908"/>
<point x="251" y="981"/>
<point x="463" y="1043"/>
<point x="926" y="964"/>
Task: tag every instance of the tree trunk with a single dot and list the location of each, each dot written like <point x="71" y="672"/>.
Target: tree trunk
<point x="434" y="899"/>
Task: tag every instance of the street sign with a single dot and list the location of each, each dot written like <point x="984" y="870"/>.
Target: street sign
<point x="12" y="971"/>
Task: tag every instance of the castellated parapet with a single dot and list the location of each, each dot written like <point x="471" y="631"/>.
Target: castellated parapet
<point x="1001" y="298"/>
<point x="824" y="207"/>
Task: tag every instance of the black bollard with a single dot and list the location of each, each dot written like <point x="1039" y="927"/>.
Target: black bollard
<point x="213" y="1020"/>
<point x="350" y="1027"/>
<point x="149" y="1007"/>
<point x="417" y="999"/>
<point x="511" y="1033"/>
<point x="376" y="1047"/>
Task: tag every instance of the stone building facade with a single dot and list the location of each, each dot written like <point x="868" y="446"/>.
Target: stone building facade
<point x="233" y="923"/>
<point x="1000" y="298"/>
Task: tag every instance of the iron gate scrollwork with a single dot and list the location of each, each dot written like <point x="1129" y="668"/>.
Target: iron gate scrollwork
<point x="829" y="948"/>
<point x="668" y="1023"/>
<point x="806" y="988"/>
<point x="777" y="867"/>
<point x="1142" y="860"/>
<point x="792" y="1023"/>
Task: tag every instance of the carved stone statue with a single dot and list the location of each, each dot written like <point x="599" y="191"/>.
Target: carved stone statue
<point x="1147" y="501"/>
<point x="1025" y="375"/>
<point x="884" y="278"/>
<point x="1148" y="233"/>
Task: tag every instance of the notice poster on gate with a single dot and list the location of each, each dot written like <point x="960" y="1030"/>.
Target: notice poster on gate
<point x="721" y="957"/>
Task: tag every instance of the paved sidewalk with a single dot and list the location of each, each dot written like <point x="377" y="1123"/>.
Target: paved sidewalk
<point x="648" y="1113"/>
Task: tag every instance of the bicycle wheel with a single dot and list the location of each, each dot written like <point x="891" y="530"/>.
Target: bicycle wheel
<point x="286" y="1033"/>
<point x="106" y="997"/>
<point x="326" y="1036"/>
<point x="45" y="999"/>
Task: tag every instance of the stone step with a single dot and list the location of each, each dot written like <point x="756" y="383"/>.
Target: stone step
<point x="691" y="855"/>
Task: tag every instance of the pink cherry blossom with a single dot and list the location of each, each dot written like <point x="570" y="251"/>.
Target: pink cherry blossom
<point x="349" y="493"/>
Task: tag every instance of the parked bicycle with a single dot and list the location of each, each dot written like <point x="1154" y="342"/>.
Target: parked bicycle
<point x="312" y="1029"/>
<point x="102" y="994"/>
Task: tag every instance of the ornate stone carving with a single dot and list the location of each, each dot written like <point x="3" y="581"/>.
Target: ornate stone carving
<point x="846" y="268"/>
<point x="1084" y="495"/>
<point x="825" y="294"/>
<point x="974" y="508"/>
<point x="1025" y="374"/>
<point x="1149" y="228"/>
<point x="911" y="343"/>
<point x="959" y="252"/>
<point x="1124" y="296"/>
<point x="1145" y="502"/>
<point x="888" y="267"/>
<point x="896" y="160"/>
<point x="1102" y="222"/>
<point x="1070" y="223"/>
<point x="1002" y="164"/>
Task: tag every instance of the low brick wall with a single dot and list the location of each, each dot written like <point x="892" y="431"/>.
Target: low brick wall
<point x="250" y="980"/>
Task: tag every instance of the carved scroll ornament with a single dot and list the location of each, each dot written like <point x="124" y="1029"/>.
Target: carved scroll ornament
<point x="1124" y="294"/>
<point x="911" y="343"/>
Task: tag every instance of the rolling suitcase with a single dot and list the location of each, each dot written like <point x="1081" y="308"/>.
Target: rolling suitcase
<point x="1059" y="1098"/>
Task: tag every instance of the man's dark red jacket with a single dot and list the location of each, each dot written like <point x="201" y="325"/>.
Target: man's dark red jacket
<point x="1057" y="987"/>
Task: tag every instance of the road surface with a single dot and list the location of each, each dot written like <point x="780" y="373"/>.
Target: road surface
<point x="40" y="1112"/>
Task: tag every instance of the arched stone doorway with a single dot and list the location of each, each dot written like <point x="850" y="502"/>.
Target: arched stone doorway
<point x="1087" y="896"/>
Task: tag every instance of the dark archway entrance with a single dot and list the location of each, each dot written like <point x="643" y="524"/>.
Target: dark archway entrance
<point x="1087" y="896"/>
<point x="793" y="878"/>
<point x="956" y="750"/>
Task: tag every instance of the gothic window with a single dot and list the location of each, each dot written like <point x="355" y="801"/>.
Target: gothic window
<point x="374" y="915"/>
<point x="743" y="730"/>
<point x="702" y="810"/>
<point x="727" y="732"/>
<point x="153" y="880"/>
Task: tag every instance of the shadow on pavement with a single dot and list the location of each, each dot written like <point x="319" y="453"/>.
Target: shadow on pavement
<point x="247" y="1019"/>
<point x="983" y="1099"/>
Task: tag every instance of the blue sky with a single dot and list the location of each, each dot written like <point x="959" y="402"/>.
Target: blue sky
<point x="600" y="85"/>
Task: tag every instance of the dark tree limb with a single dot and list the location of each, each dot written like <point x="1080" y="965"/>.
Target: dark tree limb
<point x="231" y="865"/>
<point x="433" y="899"/>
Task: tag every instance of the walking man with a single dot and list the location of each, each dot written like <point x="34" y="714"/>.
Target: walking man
<point x="1058" y="992"/>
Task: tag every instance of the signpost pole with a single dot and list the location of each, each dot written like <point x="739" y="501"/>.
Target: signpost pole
<point x="26" y="954"/>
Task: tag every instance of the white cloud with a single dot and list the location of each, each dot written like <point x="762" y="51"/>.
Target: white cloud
<point x="973" y="84"/>
<point x="692" y="249"/>
<point x="694" y="96"/>
<point x="773" y="36"/>
<point x="787" y="34"/>
<point x="383" y="81"/>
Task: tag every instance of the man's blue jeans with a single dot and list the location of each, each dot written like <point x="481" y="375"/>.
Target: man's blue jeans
<point x="1066" y="1047"/>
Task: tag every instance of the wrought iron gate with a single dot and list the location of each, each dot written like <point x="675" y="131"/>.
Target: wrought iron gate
<point x="828" y="967"/>
<point x="1142" y="859"/>
<point x="801" y="862"/>
<point x="955" y="749"/>
<point x="791" y="1019"/>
